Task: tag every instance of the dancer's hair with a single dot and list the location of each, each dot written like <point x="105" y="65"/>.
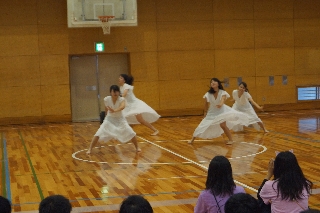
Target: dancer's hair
<point x="115" y="88"/>
<point x="211" y="90"/>
<point x="245" y="86"/>
<point x="289" y="176"/>
<point x="127" y="78"/>
<point x="219" y="179"/>
<point x="135" y="204"/>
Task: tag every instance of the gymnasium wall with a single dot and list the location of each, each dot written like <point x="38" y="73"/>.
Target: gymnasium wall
<point x="176" y="48"/>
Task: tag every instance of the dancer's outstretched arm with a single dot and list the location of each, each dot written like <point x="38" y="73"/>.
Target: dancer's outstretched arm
<point x="255" y="104"/>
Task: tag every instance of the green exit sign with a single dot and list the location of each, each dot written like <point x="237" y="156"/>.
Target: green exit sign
<point x="99" y="46"/>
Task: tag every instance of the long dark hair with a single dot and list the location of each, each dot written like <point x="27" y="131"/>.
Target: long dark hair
<point x="289" y="176"/>
<point x="115" y="88"/>
<point x="219" y="179"/>
<point x="245" y="86"/>
<point x="128" y="79"/>
<point x="211" y="90"/>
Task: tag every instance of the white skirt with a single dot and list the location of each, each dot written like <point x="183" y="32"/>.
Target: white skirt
<point x="115" y="128"/>
<point x="252" y="116"/>
<point x="139" y="107"/>
<point x="210" y="126"/>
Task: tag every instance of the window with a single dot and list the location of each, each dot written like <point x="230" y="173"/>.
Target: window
<point x="308" y="93"/>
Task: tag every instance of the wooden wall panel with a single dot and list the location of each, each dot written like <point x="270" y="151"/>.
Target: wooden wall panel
<point x="55" y="100"/>
<point x="233" y="34"/>
<point x="182" y="94"/>
<point x="133" y="39"/>
<point x="307" y="32"/>
<point x="81" y="40"/>
<point x="144" y="66"/>
<point x="148" y="92"/>
<point x="276" y="94"/>
<point x="234" y="63"/>
<point x="232" y="9"/>
<point x="54" y="69"/>
<point x="19" y="71"/>
<point x="273" y="9"/>
<point x="186" y="65"/>
<point x="274" y="61"/>
<point x="122" y="39"/>
<point x="20" y="101"/>
<point x="306" y="9"/>
<point x="19" y="40"/>
<point x="53" y="39"/>
<point x="147" y="11"/>
<point x="52" y="12"/>
<point x="189" y="35"/>
<point x="16" y="12"/>
<point x="184" y="11"/>
<point x="307" y="80"/>
<point x="274" y="33"/>
<point x="168" y="66"/>
<point x="307" y="61"/>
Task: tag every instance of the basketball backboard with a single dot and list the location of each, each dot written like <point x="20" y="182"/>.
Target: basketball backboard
<point x="85" y="13"/>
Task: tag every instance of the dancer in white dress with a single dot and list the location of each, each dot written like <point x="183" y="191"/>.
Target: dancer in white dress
<point x="219" y="118"/>
<point x="114" y="126"/>
<point x="243" y="101"/>
<point x="136" y="111"/>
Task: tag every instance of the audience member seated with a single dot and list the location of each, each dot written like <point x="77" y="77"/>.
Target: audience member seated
<point x="219" y="187"/>
<point x="55" y="204"/>
<point x="289" y="191"/>
<point x="241" y="203"/>
<point x="135" y="204"/>
<point x="5" y="205"/>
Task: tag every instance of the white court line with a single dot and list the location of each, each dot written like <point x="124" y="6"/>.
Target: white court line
<point x="187" y="159"/>
<point x="176" y="154"/>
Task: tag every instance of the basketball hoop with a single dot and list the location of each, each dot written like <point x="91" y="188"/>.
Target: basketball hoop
<point x="105" y="24"/>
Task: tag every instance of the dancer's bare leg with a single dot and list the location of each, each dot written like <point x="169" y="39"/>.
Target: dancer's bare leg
<point x="135" y="143"/>
<point x="147" y="124"/>
<point x="92" y="144"/>
<point x="192" y="139"/>
<point x="227" y="132"/>
<point x="263" y="127"/>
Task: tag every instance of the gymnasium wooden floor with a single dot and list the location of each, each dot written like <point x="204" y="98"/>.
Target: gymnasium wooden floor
<point x="40" y="160"/>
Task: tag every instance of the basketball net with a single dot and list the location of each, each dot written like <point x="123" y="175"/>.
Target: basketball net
<point x="105" y="27"/>
<point x="105" y="24"/>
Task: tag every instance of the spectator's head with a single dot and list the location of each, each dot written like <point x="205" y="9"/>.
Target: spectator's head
<point x="220" y="180"/>
<point x="135" y="204"/>
<point x="241" y="203"/>
<point x="5" y="205"/>
<point x="289" y="176"/>
<point x="311" y="211"/>
<point x="54" y="204"/>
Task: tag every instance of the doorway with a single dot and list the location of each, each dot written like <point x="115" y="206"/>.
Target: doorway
<point x="90" y="79"/>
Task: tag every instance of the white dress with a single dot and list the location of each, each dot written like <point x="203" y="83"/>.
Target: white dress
<point x="243" y="105"/>
<point x="210" y="125"/>
<point x="135" y="106"/>
<point x="115" y="126"/>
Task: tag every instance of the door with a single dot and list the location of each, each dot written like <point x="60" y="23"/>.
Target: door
<point x="90" y="79"/>
<point x="84" y="88"/>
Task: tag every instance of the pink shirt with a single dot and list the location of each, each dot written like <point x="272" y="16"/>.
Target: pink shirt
<point x="207" y="204"/>
<point x="269" y="192"/>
